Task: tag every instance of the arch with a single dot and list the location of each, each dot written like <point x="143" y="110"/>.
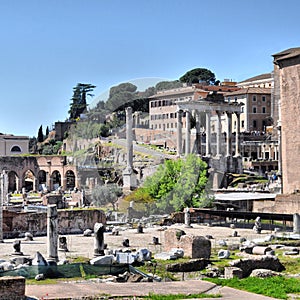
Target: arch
<point x="13" y="182"/>
<point x="29" y="180"/>
<point x="42" y="180"/>
<point x="56" y="179"/>
<point x="16" y="149"/>
<point x="70" y="179"/>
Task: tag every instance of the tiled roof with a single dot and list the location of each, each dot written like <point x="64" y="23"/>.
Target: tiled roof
<point x="249" y="90"/>
<point x="286" y="54"/>
<point x="258" y="77"/>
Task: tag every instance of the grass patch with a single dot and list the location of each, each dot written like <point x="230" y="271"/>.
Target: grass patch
<point x="276" y="287"/>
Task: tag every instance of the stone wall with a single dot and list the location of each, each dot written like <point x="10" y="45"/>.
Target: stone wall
<point x="288" y="62"/>
<point x="12" y="288"/>
<point x="283" y="204"/>
<point x="69" y="221"/>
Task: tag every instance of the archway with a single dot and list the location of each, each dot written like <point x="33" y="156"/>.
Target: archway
<point x="29" y="181"/>
<point x="15" y="149"/>
<point x="70" y="179"/>
<point x="13" y="182"/>
<point x="56" y="180"/>
<point x="42" y="180"/>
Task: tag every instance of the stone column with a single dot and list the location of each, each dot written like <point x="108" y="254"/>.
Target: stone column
<point x="129" y="177"/>
<point x="188" y="133"/>
<point x="129" y="138"/>
<point x="187" y="217"/>
<point x="237" y="135"/>
<point x="229" y="130"/>
<point x="198" y="133"/>
<point x="296" y="223"/>
<point x="208" y="134"/>
<point x="179" y="132"/>
<point x="99" y="230"/>
<point x="219" y="134"/>
<point x="52" y="233"/>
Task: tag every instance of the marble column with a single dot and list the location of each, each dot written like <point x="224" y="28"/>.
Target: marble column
<point x="237" y="135"/>
<point x="52" y="232"/>
<point x="229" y="134"/>
<point x="208" y="134"/>
<point x="188" y="132"/>
<point x="179" y="132"/>
<point x="219" y="134"/>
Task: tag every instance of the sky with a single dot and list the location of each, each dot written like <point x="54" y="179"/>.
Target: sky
<point x="48" y="46"/>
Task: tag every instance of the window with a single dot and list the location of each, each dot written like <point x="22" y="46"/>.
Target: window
<point x="243" y="124"/>
<point x="254" y="124"/>
<point x="242" y="109"/>
<point x="263" y="98"/>
<point x="15" y="149"/>
<point x="254" y="110"/>
<point x="263" y="109"/>
<point x="253" y="98"/>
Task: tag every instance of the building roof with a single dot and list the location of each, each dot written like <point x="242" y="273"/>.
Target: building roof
<point x="196" y="88"/>
<point x="244" y="196"/>
<point x="13" y="137"/>
<point x="286" y="54"/>
<point x="249" y="90"/>
<point x="258" y="77"/>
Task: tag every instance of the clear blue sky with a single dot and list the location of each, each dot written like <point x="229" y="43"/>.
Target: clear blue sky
<point x="48" y="46"/>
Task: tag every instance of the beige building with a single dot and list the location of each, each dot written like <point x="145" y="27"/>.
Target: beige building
<point x="13" y="145"/>
<point x="261" y="81"/>
<point x="256" y="111"/>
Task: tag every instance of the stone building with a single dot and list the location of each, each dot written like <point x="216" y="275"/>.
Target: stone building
<point x="287" y="99"/>
<point x="13" y="145"/>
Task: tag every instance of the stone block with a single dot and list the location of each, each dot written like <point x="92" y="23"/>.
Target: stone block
<point x="102" y="260"/>
<point x="231" y="272"/>
<point x="125" y="258"/>
<point x="12" y="288"/>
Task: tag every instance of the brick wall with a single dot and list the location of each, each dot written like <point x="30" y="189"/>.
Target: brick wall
<point x="69" y="221"/>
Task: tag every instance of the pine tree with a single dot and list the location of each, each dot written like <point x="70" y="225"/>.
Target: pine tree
<point x="78" y="104"/>
<point x="40" y="137"/>
<point x="47" y="131"/>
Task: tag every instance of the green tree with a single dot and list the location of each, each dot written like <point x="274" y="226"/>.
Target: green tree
<point x="106" y="194"/>
<point x="119" y="95"/>
<point x="40" y="137"/>
<point x="168" y="85"/>
<point x="47" y="131"/>
<point x="178" y="183"/>
<point x="78" y="101"/>
<point x="197" y="75"/>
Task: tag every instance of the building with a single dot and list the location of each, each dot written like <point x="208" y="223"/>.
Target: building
<point x="13" y="145"/>
<point x="261" y="81"/>
<point x="256" y="111"/>
<point x="259" y="146"/>
<point x="287" y="99"/>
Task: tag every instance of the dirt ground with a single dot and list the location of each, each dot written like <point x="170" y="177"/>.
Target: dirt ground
<point x="80" y="245"/>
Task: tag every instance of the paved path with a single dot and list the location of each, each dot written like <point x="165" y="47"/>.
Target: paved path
<point x="88" y="288"/>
